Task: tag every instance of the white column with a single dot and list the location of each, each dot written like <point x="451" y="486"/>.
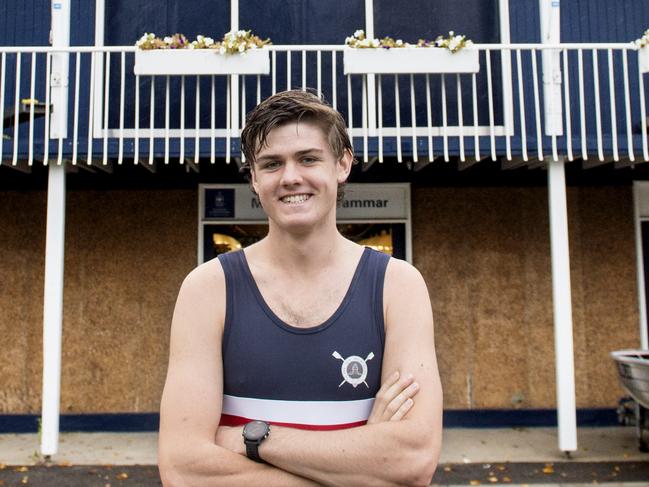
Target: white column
<point x="53" y="309"/>
<point x="506" y="69"/>
<point x="98" y="91"/>
<point x="371" y="79"/>
<point x="562" y="307"/>
<point x="640" y="195"/>
<point x="550" y="14"/>
<point x="234" y="92"/>
<point x="60" y="37"/>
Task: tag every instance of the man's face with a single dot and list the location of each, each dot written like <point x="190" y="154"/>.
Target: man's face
<point x="296" y="175"/>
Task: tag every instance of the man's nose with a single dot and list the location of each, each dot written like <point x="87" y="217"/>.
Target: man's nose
<point x="291" y="173"/>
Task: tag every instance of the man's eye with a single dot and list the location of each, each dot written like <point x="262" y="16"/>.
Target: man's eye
<point x="270" y="165"/>
<point x="309" y="160"/>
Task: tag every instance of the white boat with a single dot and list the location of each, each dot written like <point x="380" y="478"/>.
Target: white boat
<point x="633" y="370"/>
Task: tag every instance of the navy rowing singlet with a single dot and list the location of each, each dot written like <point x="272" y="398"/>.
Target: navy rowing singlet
<point x="323" y="377"/>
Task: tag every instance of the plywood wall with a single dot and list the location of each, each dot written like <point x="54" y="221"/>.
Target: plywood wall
<point x="484" y="252"/>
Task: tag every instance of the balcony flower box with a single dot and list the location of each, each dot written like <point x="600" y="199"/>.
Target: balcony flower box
<point x="643" y="56"/>
<point x="200" y="62"/>
<point x="410" y="60"/>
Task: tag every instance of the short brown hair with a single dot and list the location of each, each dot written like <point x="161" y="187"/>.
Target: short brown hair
<point x="293" y="106"/>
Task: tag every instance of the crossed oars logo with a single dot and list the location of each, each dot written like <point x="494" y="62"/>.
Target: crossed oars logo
<point x="353" y="369"/>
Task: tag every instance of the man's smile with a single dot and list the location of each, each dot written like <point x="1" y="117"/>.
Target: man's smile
<point x="295" y="198"/>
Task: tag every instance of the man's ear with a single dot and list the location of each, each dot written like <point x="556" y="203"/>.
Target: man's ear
<point x="253" y="178"/>
<point x="345" y="166"/>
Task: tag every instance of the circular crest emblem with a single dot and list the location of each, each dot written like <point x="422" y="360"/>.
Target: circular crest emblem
<point x="354" y="369"/>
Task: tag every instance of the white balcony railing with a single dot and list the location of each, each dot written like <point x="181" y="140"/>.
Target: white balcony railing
<point x="93" y="110"/>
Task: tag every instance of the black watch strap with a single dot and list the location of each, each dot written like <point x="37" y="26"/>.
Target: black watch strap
<point x="252" y="451"/>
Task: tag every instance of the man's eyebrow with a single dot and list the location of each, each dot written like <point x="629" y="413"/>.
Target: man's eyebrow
<point x="300" y="153"/>
<point x="309" y="151"/>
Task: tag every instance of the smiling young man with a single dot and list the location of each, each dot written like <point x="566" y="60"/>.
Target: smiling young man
<point x="304" y="359"/>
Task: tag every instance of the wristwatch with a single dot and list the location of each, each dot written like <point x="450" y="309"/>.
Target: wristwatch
<point x="254" y="433"/>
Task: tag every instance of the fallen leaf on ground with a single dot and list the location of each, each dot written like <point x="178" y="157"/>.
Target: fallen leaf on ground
<point x="447" y="469"/>
<point x="507" y="479"/>
<point x="493" y="480"/>
<point x="122" y="476"/>
<point x="501" y="467"/>
<point x="474" y="482"/>
<point x="24" y="480"/>
<point x="106" y="485"/>
<point x="616" y="468"/>
<point x="21" y="469"/>
<point x="548" y="468"/>
<point x="2" y="466"/>
<point x="64" y="463"/>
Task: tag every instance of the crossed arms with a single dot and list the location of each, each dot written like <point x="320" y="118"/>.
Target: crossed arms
<point x="399" y="446"/>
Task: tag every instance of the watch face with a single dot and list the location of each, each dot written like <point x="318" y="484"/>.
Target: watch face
<point x="255" y="430"/>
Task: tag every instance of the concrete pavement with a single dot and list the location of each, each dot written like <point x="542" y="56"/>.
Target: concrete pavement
<point x="521" y="456"/>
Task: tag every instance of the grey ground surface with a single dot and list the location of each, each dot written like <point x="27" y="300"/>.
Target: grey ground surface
<point x="521" y="456"/>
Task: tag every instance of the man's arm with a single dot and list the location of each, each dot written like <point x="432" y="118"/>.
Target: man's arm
<point x="192" y="397"/>
<point x="387" y="453"/>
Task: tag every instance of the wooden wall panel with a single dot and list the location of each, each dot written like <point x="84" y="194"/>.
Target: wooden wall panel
<point x="22" y="249"/>
<point x="484" y="252"/>
<point x="126" y="256"/>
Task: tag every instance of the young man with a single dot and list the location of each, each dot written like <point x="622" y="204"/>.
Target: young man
<point x="298" y="332"/>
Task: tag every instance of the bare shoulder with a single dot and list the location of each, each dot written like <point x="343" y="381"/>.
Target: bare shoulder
<point x="400" y="273"/>
<point x="202" y="296"/>
<point x="405" y="294"/>
<point x="209" y="273"/>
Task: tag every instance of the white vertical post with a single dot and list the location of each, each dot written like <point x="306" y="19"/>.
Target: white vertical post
<point x="562" y="306"/>
<point x="60" y="67"/>
<point x="371" y="78"/>
<point x="97" y="98"/>
<point x="506" y="68"/>
<point x="55" y="237"/>
<point x="234" y="85"/>
<point x="550" y="14"/>
<point x="639" y="191"/>
<point x="53" y="309"/>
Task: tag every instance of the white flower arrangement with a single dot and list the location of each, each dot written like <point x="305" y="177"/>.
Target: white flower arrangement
<point x="239" y="42"/>
<point x="643" y="41"/>
<point x="360" y="41"/>
<point x="453" y="42"/>
<point x="234" y="42"/>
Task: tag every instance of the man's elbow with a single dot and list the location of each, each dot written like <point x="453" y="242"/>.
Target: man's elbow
<point x="170" y="475"/>
<point x="422" y="463"/>
<point x="173" y="470"/>
<point x="423" y="473"/>
<point x="418" y="471"/>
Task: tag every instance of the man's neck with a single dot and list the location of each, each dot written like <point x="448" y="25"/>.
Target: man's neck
<point x="310" y="251"/>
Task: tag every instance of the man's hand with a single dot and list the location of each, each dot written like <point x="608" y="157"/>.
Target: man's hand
<point x="394" y="399"/>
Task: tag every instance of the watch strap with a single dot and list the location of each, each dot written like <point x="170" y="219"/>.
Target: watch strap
<point x="252" y="450"/>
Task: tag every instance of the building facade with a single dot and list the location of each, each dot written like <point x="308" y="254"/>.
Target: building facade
<point x="478" y="216"/>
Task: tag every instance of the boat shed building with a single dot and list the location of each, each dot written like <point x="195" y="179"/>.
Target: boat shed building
<point x="512" y="174"/>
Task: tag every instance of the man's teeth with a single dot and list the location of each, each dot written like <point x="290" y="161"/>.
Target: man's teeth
<point x="298" y="198"/>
